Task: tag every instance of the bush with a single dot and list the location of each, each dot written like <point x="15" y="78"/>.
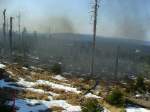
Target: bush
<point x="56" y="68"/>
<point x="115" y="97"/>
<point x="140" y="85"/>
<point x="148" y="86"/>
<point x="91" y="105"/>
<point x="130" y="87"/>
<point x="4" y="108"/>
<point x="123" y="110"/>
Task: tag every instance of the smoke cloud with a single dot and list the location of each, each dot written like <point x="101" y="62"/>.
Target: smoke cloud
<point x="125" y="18"/>
<point x="132" y="23"/>
<point x="61" y="25"/>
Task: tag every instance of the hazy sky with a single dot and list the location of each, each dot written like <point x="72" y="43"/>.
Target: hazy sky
<point x="117" y="18"/>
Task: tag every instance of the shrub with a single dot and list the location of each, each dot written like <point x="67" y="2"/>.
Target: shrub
<point x="56" y="68"/>
<point x="123" y="110"/>
<point x="115" y="97"/>
<point x="140" y="85"/>
<point x="148" y="86"/>
<point x="71" y="98"/>
<point x="4" y="108"/>
<point x="91" y="105"/>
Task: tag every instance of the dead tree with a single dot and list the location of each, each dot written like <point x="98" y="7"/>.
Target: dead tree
<point x="95" y="11"/>
<point x="10" y="35"/>
<point x="117" y="63"/>
<point x="94" y="35"/>
<point x="19" y="25"/>
<point x="4" y="25"/>
<point x="7" y="27"/>
<point x="24" y="32"/>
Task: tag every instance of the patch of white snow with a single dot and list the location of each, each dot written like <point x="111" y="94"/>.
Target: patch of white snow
<point x="58" y="86"/>
<point x="90" y="95"/>
<point x="2" y="66"/>
<point x="59" y="77"/>
<point x="40" y="105"/>
<point x="136" y="109"/>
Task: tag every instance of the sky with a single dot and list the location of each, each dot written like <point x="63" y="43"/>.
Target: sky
<point x="116" y="18"/>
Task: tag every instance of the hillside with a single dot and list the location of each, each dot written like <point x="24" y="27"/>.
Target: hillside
<point x="35" y="89"/>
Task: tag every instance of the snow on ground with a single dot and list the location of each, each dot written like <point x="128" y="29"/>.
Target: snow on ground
<point x="11" y="73"/>
<point x="136" y="109"/>
<point x="43" y="105"/>
<point x="37" y="105"/>
<point x="24" y="83"/>
<point x="90" y="95"/>
<point x="106" y="110"/>
<point x="25" y="68"/>
<point x="2" y="66"/>
<point x="41" y="91"/>
<point x="65" y="87"/>
<point x="11" y="85"/>
<point x="2" y="83"/>
<point x="59" y="77"/>
<point x="58" y="86"/>
<point x="29" y="85"/>
<point x="27" y="105"/>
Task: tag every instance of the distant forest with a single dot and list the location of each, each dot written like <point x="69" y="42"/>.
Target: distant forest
<point x="73" y="52"/>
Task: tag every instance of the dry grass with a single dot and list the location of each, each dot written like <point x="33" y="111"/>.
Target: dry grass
<point x="9" y="93"/>
<point x="40" y="76"/>
<point x="45" y="75"/>
<point x="71" y="98"/>
<point x="35" y="74"/>
<point x="32" y="95"/>
<point x="48" y="88"/>
<point x="110" y="107"/>
<point x="82" y="84"/>
<point x="17" y="71"/>
<point x="56" y="109"/>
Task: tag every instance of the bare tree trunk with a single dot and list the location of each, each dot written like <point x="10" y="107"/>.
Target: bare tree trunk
<point x="116" y="63"/>
<point x="4" y="34"/>
<point x="23" y="41"/>
<point x="10" y="35"/>
<point x="4" y="25"/>
<point x="94" y="36"/>
<point x="19" y="26"/>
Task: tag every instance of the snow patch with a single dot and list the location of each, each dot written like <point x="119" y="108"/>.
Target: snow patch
<point x="2" y="66"/>
<point x="27" y="84"/>
<point x="136" y="109"/>
<point x="40" y="105"/>
<point x="25" y="68"/>
<point x="58" y="86"/>
<point x="11" y="73"/>
<point x="59" y="77"/>
<point x="90" y="95"/>
<point x="3" y="84"/>
<point x="24" y="83"/>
